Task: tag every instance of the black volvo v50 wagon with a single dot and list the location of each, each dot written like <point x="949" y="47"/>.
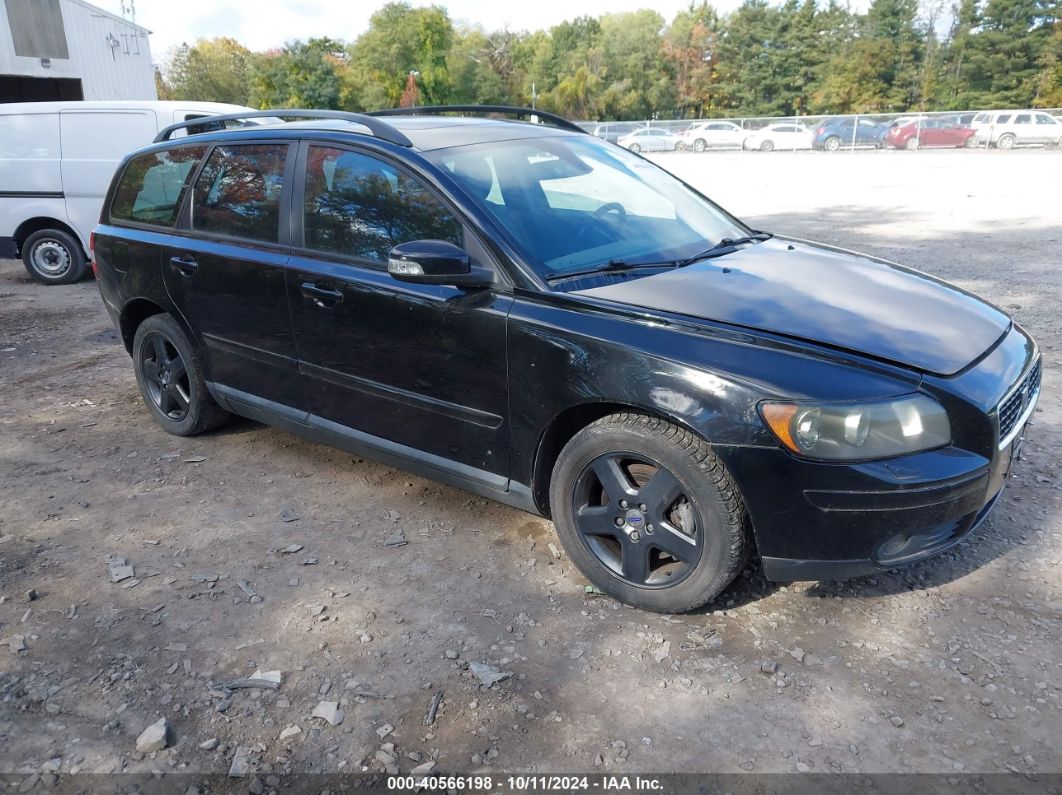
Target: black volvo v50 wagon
<point x="541" y="317"/>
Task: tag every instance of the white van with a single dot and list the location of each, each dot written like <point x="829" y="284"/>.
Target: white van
<point x="56" y="162"/>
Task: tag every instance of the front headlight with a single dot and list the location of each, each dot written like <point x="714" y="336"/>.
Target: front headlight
<point x="859" y="431"/>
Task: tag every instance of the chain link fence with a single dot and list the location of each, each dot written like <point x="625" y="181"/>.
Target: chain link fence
<point x="997" y="129"/>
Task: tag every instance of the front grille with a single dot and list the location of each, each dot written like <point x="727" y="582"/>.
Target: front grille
<point x="1012" y="408"/>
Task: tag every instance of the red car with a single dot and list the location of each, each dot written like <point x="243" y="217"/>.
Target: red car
<point x="929" y="132"/>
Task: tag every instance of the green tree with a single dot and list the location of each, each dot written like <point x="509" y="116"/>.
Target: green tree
<point x="690" y="49"/>
<point x="878" y="71"/>
<point x="301" y="75"/>
<point x="966" y="21"/>
<point x="480" y="67"/>
<point x="211" y="70"/>
<point x="401" y="39"/>
<point x="638" y="82"/>
<point x="1049" y="84"/>
<point x="1004" y="59"/>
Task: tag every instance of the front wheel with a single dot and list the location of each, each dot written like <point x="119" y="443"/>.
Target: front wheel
<point x="912" y="144"/>
<point x="169" y="372"/>
<point x="648" y="513"/>
<point x="635" y="148"/>
<point x="53" y="256"/>
<point x="767" y="146"/>
<point x="699" y="145"/>
<point x="1006" y="141"/>
<point x="832" y="144"/>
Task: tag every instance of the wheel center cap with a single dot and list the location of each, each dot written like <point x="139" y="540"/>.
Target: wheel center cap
<point x="164" y="377"/>
<point x="635" y="519"/>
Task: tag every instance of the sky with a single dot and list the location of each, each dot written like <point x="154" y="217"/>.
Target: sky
<point x="261" y="24"/>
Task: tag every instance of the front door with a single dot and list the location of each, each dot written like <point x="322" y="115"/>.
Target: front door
<point x="419" y="366"/>
<point x="227" y="279"/>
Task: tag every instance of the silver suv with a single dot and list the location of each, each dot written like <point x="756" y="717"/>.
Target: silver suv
<point x="1010" y="128"/>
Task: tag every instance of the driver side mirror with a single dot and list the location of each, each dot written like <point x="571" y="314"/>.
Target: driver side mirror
<point x="436" y="262"/>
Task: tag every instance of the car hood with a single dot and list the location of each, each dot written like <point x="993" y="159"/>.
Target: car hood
<point x="828" y="296"/>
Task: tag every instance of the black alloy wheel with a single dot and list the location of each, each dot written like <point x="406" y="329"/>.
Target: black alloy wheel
<point x="634" y="516"/>
<point x="165" y="376"/>
<point x="172" y="379"/>
<point x="649" y="513"/>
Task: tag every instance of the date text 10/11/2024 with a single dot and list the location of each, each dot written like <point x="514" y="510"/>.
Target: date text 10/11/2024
<point x="542" y="783"/>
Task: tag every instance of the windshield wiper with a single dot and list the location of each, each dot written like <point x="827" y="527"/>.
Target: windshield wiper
<point x="727" y="245"/>
<point x="612" y="266"/>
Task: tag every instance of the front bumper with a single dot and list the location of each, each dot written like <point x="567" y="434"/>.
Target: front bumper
<point x="832" y="521"/>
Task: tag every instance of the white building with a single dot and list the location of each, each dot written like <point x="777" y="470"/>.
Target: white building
<point x="68" y="49"/>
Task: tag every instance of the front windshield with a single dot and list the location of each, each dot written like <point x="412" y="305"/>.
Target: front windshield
<point x="574" y="203"/>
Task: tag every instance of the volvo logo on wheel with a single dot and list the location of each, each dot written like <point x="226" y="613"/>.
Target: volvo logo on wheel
<point x="635" y="518"/>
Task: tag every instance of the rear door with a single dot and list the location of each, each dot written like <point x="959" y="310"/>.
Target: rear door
<point x="421" y="366"/>
<point x="226" y="274"/>
<point x="1048" y="128"/>
<point x="1025" y="129"/>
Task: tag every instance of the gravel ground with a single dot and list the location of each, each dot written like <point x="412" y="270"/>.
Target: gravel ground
<point x="252" y="550"/>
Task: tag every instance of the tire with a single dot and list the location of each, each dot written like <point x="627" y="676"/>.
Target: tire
<point x="705" y="524"/>
<point x="971" y="142"/>
<point x="911" y="145"/>
<point x="1006" y="141"/>
<point x="767" y="146"/>
<point x="832" y="144"/>
<point x="699" y="145"/>
<point x="635" y="148"/>
<point x="175" y="393"/>
<point x="53" y="256"/>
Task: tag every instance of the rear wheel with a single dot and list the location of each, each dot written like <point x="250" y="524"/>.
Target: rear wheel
<point x="699" y="145"/>
<point x="971" y="142"/>
<point x="169" y="372"/>
<point x="832" y="144"/>
<point x="1006" y="141"/>
<point x="767" y="146"/>
<point x="53" y="256"/>
<point x="648" y="513"/>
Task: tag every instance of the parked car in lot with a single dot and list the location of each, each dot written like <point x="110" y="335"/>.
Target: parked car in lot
<point x="929" y="132"/>
<point x="713" y="135"/>
<point x="540" y="317"/>
<point x="849" y="132"/>
<point x="56" y="160"/>
<point x="612" y="131"/>
<point x="787" y="135"/>
<point x="653" y="139"/>
<point x="1007" y="129"/>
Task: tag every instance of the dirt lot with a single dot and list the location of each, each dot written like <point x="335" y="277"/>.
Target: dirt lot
<point x="952" y="666"/>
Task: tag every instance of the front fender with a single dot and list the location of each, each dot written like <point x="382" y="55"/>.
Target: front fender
<point x="566" y="352"/>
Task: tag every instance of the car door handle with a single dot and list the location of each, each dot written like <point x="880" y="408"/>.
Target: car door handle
<point x="186" y="266"/>
<point x="322" y="296"/>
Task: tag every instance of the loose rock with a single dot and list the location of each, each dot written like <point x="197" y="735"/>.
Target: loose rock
<point x="488" y="674"/>
<point x="329" y="711"/>
<point x="154" y="738"/>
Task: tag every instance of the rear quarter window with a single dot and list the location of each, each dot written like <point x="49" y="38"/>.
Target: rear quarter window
<point x="152" y="186"/>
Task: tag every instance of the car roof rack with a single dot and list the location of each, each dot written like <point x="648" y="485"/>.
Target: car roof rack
<point x="512" y="110"/>
<point x="379" y="129"/>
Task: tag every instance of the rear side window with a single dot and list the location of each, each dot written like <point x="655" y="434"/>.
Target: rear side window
<point x="359" y="206"/>
<point x="238" y="192"/>
<point x="152" y="186"/>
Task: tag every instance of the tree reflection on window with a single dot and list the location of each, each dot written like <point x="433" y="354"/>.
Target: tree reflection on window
<point x="238" y="192"/>
<point x="361" y="207"/>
